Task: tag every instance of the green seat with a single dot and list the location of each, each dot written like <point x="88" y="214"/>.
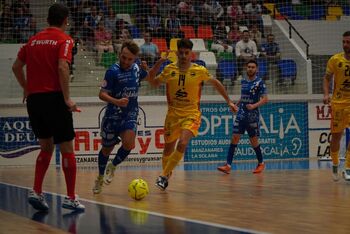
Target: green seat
<point x="209" y="42"/>
<point x="302" y="10"/>
<point x="124" y="8"/>
<point x="108" y="58"/>
<point x="226" y="56"/>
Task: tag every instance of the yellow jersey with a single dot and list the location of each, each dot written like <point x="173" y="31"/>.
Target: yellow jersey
<point x="183" y="89"/>
<point x="339" y="67"/>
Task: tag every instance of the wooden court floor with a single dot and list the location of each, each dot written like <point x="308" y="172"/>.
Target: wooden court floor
<point x="286" y="198"/>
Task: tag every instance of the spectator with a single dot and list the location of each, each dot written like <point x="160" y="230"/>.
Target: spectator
<point x="149" y="50"/>
<point x="172" y="27"/>
<point x="245" y="50"/>
<point x="111" y="20"/>
<point x="234" y="35"/>
<point x="89" y="27"/>
<point x="255" y="35"/>
<point x="220" y="43"/>
<point x="154" y="22"/>
<point x="270" y="50"/>
<point x="164" y="8"/>
<point x="253" y="12"/>
<point x="21" y="25"/>
<point x="185" y="11"/>
<point x="142" y="10"/>
<point x="6" y="23"/>
<point x="234" y="13"/>
<point x="215" y="11"/>
<point x="103" y="39"/>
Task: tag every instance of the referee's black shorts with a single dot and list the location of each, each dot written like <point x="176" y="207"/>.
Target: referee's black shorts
<point x="49" y="116"/>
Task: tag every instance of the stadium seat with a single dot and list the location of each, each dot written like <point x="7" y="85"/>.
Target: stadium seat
<point x="263" y="68"/>
<point x="198" y="45"/>
<point x="318" y="12"/>
<point x="139" y="41"/>
<point x="271" y="7"/>
<point x="108" y="58"/>
<point x="346" y="10"/>
<point x="335" y="11"/>
<point x="302" y="9"/>
<point x="288" y="11"/>
<point x="125" y="17"/>
<point x="204" y="32"/>
<point x="199" y="62"/>
<point x="209" y="59"/>
<point x="287" y="70"/>
<point x="173" y="44"/>
<point x="188" y="31"/>
<point x="161" y="43"/>
<point x="331" y="17"/>
<point x="227" y="69"/>
<point x="134" y="31"/>
<point x="171" y="56"/>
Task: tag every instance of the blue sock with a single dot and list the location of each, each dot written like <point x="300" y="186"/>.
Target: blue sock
<point x="231" y="152"/>
<point x="102" y="162"/>
<point x="258" y="154"/>
<point x="120" y="156"/>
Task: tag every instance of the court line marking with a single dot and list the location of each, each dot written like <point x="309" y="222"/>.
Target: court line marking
<point x="233" y="228"/>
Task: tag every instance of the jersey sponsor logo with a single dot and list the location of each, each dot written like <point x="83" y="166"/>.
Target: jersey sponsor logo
<point x="181" y="93"/>
<point x="43" y="42"/>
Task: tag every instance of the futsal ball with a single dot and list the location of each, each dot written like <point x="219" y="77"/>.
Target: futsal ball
<point x="138" y="189"/>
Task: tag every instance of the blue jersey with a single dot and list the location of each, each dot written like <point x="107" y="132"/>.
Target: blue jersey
<point x="121" y="83"/>
<point x="251" y="92"/>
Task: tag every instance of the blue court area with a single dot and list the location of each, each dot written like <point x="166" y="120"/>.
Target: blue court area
<point x="101" y="217"/>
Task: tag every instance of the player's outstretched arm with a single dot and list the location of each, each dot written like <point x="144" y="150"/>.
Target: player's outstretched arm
<point x="152" y="73"/>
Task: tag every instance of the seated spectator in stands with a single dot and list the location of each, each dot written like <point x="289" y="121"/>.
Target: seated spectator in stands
<point x="142" y="11"/>
<point x="185" y="12"/>
<point x="121" y="38"/>
<point x="21" y="24"/>
<point x="30" y="31"/>
<point x="234" y="35"/>
<point x="220" y="42"/>
<point x="172" y="27"/>
<point x="6" y="23"/>
<point x="149" y="51"/>
<point x="89" y="26"/>
<point x="253" y="12"/>
<point x="103" y="39"/>
<point x="245" y="50"/>
<point x="256" y="35"/>
<point x="111" y="20"/>
<point x="270" y="50"/>
<point x="154" y="23"/>
<point x="215" y="11"/>
<point x="234" y="13"/>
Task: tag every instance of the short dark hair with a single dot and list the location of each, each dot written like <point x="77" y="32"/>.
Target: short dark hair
<point x="184" y="43"/>
<point x="252" y="61"/>
<point x="346" y="34"/>
<point x="132" y="47"/>
<point x="57" y="14"/>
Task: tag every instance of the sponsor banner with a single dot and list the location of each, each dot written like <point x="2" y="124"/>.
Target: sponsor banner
<point x="283" y="130"/>
<point x="319" y="132"/>
<point x="18" y="145"/>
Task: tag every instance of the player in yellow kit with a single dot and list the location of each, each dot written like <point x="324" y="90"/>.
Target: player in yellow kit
<point x="338" y="68"/>
<point x="183" y="82"/>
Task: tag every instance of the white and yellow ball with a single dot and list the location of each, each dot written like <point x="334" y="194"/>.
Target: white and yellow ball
<point x="138" y="189"/>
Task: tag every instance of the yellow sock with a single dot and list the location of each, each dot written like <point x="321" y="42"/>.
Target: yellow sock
<point x="173" y="160"/>
<point x="165" y="160"/>
<point x="347" y="162"/>
<point x="335" y="157"/>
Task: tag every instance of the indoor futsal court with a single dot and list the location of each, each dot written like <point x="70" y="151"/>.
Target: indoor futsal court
<point x="290" y="196"/>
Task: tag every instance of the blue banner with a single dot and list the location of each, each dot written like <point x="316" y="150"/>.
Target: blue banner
<point x="16" y="137"/>
<point x="283" y="133"/>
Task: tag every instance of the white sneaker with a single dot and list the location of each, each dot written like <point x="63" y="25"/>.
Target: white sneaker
<point x="346" y="174"/>
<point x="37" y="201"/>
<point x="109" y="173"/>
<point x="335" y="173"/>
<point x="73" y="204"/>
<point x="98" y="185"/>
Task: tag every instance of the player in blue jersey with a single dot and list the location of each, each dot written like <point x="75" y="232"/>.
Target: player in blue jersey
<point x="253" y="95"/>
<point x="120" y="90"/>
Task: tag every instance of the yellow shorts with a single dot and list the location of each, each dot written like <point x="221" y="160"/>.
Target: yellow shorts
<point x="174" y="124"/>
<point x="340" y="117"/>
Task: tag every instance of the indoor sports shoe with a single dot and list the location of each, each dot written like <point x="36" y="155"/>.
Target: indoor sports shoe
<point x="346" y="174"/>
<point x="73" y="204"/>
<point x="259" y="168"/>
<point x="162" y="182"/>
<point x="109" y="173"/>
<point x="37" y="201"/>
<point x="225" y="168"/>
<point x="98" y="185"/>
<point x="335" y="173"/>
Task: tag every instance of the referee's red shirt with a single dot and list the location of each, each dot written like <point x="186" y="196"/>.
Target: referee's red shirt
<point x="41" y="55"/>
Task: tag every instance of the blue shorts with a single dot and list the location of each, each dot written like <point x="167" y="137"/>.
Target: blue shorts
<point x="111" y="128"/>
<point x="252" y="128"/>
